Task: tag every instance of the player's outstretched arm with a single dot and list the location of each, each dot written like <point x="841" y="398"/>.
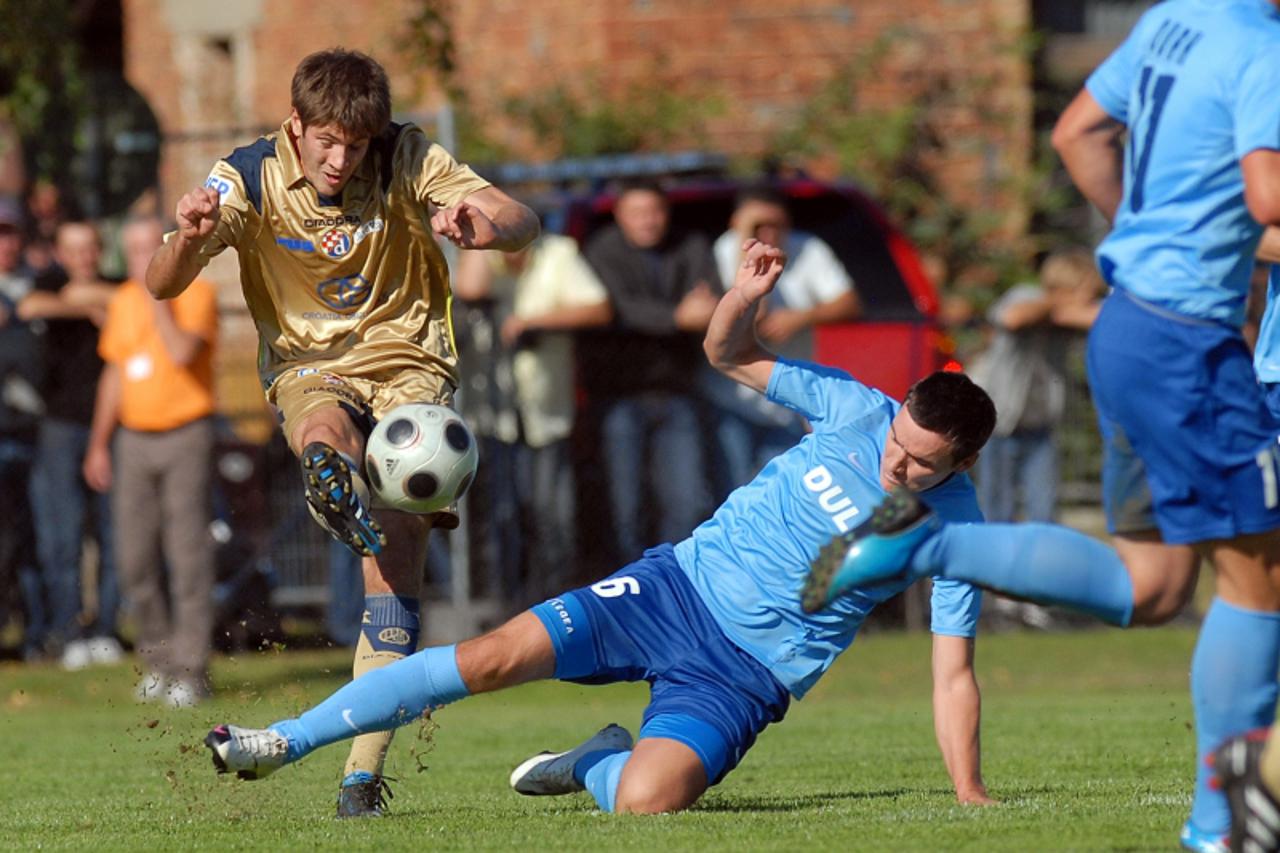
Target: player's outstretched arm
<point x="176" y="263"/>
<point x="957" y="714"/>
<point x="731" y="344"/>
<point x="1090" y="143"/>
<point x="487" y="219"/>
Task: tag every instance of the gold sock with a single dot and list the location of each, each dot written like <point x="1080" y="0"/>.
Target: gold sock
<point x="369" y="750"/>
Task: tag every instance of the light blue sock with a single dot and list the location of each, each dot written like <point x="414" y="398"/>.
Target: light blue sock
<point x="1233" y="689"/>
<point x="381" y="699"/>
<point x="602" y="779"/>
<point x="1040" y="562"/>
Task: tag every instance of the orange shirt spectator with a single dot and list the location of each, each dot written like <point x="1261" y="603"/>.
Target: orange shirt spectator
<point x="156" y="394"/>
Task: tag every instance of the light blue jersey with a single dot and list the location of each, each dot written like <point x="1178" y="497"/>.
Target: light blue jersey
<point x="748" y="562"/>
<point x="1266" y="356"/>
<point x="1196" y="83"/>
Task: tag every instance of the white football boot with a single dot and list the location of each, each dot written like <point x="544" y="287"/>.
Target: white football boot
<point x="249" y="753"/>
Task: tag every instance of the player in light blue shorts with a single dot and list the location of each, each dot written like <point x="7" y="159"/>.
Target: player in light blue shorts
<point x="713" y="623"/>
<point x="1176" y="140"/>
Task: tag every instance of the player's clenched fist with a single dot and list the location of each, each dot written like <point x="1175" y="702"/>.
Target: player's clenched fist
<point x="464" y="225"/>
<point x="198" y="213"/>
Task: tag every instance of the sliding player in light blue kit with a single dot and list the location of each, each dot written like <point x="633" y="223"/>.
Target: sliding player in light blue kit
<point x="714" y="623"/>
<point x="1190" y="465"/>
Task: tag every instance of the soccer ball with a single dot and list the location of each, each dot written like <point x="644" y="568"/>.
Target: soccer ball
<point x="420" y="458"/>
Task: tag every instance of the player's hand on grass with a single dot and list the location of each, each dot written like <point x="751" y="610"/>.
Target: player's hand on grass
<point x="758" y="273"/>
<point x="465" y="226"/>
<point x="198" y="213"/>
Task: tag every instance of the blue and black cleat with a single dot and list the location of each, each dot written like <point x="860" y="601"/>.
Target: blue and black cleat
<point x="339" y="500"/>
<point x="363" y="794"/>
<point x="875" y="551"/>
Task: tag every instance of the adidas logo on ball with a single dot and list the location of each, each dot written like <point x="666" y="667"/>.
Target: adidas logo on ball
<point x="421" y="458"/>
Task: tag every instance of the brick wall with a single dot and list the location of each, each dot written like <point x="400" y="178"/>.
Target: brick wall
<point x="763" y="58"/>
<point x="220" y="80"/>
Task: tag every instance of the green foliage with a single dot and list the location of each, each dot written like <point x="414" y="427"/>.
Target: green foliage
<point x="582" y="120"/>
<point x="41" y="85"/>
<point x="896" y="150"/>
<point x="1081" y="756"/>
<point x="427" y="42"/>
<point x="652" y="113"/>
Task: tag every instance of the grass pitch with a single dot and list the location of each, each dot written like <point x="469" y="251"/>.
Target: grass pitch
<point x="1087" y="744"/>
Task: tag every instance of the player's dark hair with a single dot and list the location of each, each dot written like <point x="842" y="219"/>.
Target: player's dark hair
<point x="344" y="88"/>
<point x="952" y="405"/>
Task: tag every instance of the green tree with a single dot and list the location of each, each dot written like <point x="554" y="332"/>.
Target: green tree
<point x="582" y="120"/>
<point x="41" y="84"/>
<point x="895" y="152"/>
<point x="650" y="114"/>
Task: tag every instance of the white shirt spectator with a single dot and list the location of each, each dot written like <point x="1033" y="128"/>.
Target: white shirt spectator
<point x="813" y="276"/>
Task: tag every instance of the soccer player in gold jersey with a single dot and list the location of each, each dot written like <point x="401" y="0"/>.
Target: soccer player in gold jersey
<point x="334" y="219"/>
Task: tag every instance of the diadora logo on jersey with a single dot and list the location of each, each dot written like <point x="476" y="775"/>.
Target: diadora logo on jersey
<point x="215" y="183"/>
<point x="344" y="294"/>
<point x="335" y="243"/>
<point x="330" y="221"/>
<point x="831" y="497"/>
<point x="373" y="226"/>
<point x="296" y="245"/>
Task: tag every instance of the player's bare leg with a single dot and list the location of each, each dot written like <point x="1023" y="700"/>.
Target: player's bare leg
<point x="519" y="651"/>
<point x="1164" y="576"/>
<point x="330" y="447"/>
<point x="662" y="775"/>
<point x="393" y="549"/>
<point x="656" y="775"/>
<point x="389" y="632"/>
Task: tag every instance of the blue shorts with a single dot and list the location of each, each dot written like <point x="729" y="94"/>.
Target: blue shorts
<point x="647" y="623"/>
<point x="1189" y="445"/>
<point x="1271" y="396"/>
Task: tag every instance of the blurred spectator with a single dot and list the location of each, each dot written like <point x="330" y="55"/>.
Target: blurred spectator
<point x="157" y="387"/>
<point x="70" y="302"/>
<point x="814" y="288"/>
<point x="45" y="212"/>
<point x="20" y="409"/>
<point x="544" y="292"/>
<point x="641" y="374"/>
<point x="1024" y="371"/>
<point x="486" y="398"/>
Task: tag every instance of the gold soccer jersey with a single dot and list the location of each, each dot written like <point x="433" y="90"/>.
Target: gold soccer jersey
<point x="354" y="284"/>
